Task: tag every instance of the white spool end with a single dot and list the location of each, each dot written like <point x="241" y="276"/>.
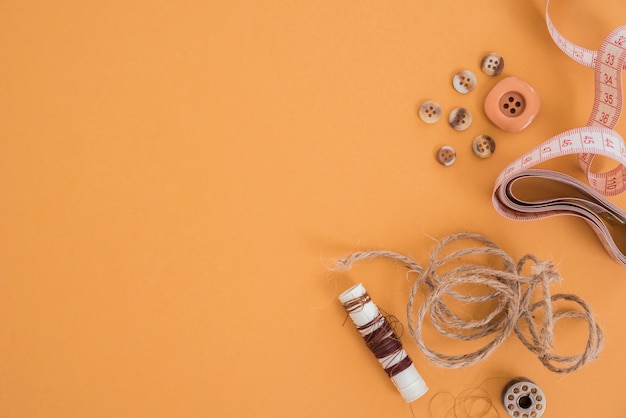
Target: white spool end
<point x="354" y="292"/>
<point x="410" y="384"/>
<point x="362" y="316"/>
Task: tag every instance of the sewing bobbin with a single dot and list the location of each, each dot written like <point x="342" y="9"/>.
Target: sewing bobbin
<point x="522" y="398"/>
<point x="383" y="342"/>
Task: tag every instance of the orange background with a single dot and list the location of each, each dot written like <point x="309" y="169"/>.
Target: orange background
<point x="177" y="175"/>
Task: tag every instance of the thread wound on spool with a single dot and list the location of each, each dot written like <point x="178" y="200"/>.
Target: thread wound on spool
<point x="383" y="342"/>
<point x="385" y="345"/>
<point x="522" y="398"/>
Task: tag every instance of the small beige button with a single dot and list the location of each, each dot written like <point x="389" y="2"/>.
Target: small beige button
<point x="464" y="81"/>
<point x="492" y="64"/>
<point x="460" y="118"/>
<point x="430" y="111"/>
<point x="483" y="146"/>
<point x="446" y="155"/>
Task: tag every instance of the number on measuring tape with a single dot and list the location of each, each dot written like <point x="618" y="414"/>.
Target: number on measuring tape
<point x="591" y="141"/>
<point x="604" y="118"/>
<point x="610" y="59"/>
<point x="579" y="55"/>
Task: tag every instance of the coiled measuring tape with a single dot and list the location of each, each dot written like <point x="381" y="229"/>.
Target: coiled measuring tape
<point x="596" y="138"/>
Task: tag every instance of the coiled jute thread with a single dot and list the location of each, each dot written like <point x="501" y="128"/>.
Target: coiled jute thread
<point x="511" y="288"/>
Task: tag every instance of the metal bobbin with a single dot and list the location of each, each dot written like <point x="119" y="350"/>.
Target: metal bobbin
<point x="522" y="398"/>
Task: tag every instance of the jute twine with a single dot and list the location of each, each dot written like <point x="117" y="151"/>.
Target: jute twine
<point x="508" y="286"/>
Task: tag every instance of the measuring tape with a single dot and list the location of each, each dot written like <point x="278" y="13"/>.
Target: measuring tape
<point x="596" y="138"/>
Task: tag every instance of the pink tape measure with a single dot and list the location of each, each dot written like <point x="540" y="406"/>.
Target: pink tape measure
<point x="596" y="138"/>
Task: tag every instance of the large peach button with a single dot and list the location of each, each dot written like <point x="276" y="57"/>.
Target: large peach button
<point x="512" y="104"/>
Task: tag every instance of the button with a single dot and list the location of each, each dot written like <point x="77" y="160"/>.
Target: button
<point x="492" y="64"/>
<point x="446" y="155"/>
<point x="483" y="146"/>
<point x="430" y="111"/>
<point x="512" y="104"/>
<point x="460" y="118"/>
<point x="464" y="81"/>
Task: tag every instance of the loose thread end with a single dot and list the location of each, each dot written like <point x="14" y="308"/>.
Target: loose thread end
<point x="546" y="270"/>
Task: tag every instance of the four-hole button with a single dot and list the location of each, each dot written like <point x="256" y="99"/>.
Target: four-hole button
<point x="512" y="104"/>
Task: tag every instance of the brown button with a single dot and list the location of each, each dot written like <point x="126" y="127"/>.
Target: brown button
<point x="492" y="64"/>
<point x="430" y="111"/>
<point x="483" y="146"/>
<point x="460" y="118"/>
<point x="464" y="81"/>
<point x="446" y="155"/>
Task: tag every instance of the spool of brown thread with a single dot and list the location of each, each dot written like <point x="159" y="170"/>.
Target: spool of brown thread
<point x="383" y="342"/>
